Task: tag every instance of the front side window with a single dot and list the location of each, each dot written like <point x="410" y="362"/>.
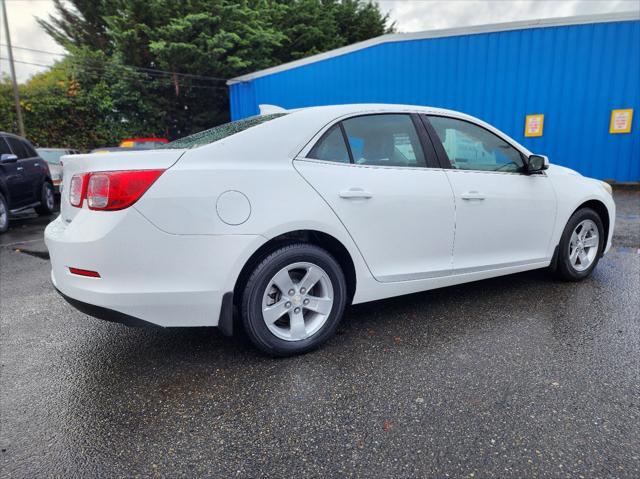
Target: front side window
<point x="18" y="147"/>
<point x="384" y="140"/>
<point x="4" y="148"/>
<point x="471" y="147"/>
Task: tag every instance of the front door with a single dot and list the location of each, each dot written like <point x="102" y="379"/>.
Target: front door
<point x="374" y="172"/>
<point x="504" y="217"/>
<point x="15" y="178"/>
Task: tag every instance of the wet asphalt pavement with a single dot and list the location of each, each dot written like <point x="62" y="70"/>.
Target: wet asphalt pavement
<point x="520" y="376"/>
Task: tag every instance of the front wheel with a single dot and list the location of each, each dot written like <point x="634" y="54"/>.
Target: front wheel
<point x="47" y="200"/>
<point x="581" y="245"/>
<point x="293" y="300"/>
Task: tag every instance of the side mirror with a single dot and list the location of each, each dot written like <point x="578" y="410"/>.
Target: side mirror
<point x="8" y="158"/>
<point x="537" y="163"/>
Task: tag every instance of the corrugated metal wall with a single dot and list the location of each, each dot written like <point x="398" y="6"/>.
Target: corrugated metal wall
<point x="575" y="75"/>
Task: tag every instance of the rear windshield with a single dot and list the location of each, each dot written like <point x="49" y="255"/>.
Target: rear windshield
<point x="219" y="132"/>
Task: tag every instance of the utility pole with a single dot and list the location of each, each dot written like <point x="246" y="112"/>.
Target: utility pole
<point x="16" y="95"/>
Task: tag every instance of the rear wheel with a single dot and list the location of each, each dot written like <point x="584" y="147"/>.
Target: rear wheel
<point x="47" y="200"/>
<point x="4" y="214"/>
<point x="293" y="300"/>
<point x="581" y="245"/>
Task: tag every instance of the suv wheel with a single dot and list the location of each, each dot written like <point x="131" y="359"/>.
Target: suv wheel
<point x="47" y="200"/>
<point x="293" y="300"/>
<point x="4" y="214"/>
<point x="581" y="245"/>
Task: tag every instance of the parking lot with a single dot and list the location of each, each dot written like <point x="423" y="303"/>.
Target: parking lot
<point x="520" y="376"/>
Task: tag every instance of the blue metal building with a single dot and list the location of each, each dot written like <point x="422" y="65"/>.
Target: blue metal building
<point x="574" y="70"/>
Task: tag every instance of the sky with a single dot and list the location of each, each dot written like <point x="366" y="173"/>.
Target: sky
<point x="408" y="15"/>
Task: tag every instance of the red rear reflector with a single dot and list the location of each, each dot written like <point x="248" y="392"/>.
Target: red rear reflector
<point x="84" y="272"/>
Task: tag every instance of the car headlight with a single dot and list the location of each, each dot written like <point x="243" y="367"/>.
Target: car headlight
<point x="606" y="187"/>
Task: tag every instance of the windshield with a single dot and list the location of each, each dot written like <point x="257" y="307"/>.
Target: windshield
<point x="219" y="132"/>
<point x="51" y="156"/>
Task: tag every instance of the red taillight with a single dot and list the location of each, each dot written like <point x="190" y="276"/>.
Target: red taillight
<point x="114" y="190"/>
<point x="84" y="272"/>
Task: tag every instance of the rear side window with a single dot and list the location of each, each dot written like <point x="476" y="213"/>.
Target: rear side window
<point x="384" y="140"/>
<point x="29" y="149"/>
<point x="331" y="147"/>
<point x="17" y="147"/>
<point x="219" y="132"/>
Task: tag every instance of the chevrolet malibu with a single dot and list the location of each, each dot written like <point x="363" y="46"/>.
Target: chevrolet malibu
<point x="275" y="223"/>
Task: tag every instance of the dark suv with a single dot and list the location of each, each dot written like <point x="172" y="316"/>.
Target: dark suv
<point x="25" y="181"/>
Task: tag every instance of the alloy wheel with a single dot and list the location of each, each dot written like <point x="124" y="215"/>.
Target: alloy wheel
<point x="297" y="301"/>
<point x="583" y="245"/>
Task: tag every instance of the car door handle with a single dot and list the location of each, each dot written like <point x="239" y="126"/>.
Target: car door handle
<point x="473" y="195"/>
<point x="355" y="193"/>
<point x="20" y="168"/>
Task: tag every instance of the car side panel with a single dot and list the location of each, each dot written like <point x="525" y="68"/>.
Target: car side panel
<point x="189" y="199"/>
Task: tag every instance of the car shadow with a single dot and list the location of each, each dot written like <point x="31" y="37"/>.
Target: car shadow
<point x="434" y="316"/>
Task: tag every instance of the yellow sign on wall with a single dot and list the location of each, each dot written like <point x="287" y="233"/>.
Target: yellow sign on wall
<point x="533" y="125"/>
<point x="621" y="121"/>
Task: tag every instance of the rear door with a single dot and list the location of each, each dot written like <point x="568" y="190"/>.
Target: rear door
<point x="380" y="176"/>
<point x="504" y="216"/>
<point x="35" y="168"/>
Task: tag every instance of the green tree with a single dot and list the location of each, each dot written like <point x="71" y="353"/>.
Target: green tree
<point x="60" y="110"/>
<point x="158" y="67"/>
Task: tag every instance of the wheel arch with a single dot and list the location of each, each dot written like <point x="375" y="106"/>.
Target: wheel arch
<point x="601" y="209"/>
<point x="315" y="237"/>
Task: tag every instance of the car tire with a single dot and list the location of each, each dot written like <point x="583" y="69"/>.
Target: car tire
<point x="4" y="214"/>
<point x="279" y="315"/>
<point x="579" y="241"/>
<point x="47" y="200"/>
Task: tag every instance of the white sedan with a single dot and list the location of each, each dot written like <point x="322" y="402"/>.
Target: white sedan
<point x="286" y="218"/>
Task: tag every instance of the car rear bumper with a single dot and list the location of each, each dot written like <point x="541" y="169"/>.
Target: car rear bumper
<point x="146" y="275"/>
<point x="104" y="313"/>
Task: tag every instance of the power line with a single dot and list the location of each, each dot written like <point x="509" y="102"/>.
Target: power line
<point x="94" y="71"/>
<point x="166" y="72"/>
<point x="34" y="50"/>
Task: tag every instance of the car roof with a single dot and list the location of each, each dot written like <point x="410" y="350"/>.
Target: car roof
<point x="288" y="135"/>
<point x="337" y="111"/>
